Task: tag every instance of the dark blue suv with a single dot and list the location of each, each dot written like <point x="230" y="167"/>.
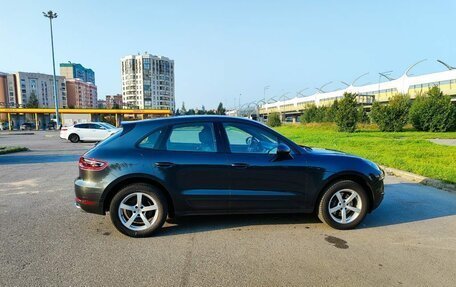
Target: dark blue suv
<point x="157" y="169"/>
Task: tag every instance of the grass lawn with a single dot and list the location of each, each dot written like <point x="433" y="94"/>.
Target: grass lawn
<point x="409" y="150"/>
<point x="11" y="149"/>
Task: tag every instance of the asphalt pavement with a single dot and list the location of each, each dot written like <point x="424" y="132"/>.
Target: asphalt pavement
<point x="410" y="240"/>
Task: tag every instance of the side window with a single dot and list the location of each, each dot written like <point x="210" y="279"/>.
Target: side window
<point x="197" y="137"/>
<point x="95" y="126"/>
<point x="244" y="138"/>
<point x="151" y="141"/>
<point x="82" y="126"/>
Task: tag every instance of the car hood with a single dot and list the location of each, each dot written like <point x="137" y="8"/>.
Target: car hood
<point x="323" y="151"/>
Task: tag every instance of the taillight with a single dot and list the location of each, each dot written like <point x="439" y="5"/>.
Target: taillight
<point x="63" y="129"/>
<point x="92" y="164"/>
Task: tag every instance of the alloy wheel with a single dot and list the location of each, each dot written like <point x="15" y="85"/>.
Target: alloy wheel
<point x="345" y="206"/>
<point x="138" y="211"/>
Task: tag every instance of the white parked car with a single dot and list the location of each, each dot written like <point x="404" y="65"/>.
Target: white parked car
<point x="95" y="131"/>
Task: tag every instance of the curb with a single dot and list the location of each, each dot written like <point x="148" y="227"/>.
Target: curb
<point x="421" y="179"/>
<point x="17" y="133"/>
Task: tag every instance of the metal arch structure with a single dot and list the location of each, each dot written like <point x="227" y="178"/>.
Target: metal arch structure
<point x="406" y="73"/>
<point x="299" y="93"/>
<point x="359" y="77"/>
<point x="345" y="83"/>
<point x="284" y="96"/>
<point x="386" y="75"/>
<point x="446" y="65"/>
<point x="324" y="85"/>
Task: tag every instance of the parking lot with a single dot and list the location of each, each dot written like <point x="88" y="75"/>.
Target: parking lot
<point x="409" y="240"/>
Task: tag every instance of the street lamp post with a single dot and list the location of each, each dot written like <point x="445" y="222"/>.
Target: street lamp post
<point x="51" y="15"/>
<point x="264" y="92"/>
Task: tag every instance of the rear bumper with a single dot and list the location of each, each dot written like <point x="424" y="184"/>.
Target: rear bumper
<point x="88" y="197"/>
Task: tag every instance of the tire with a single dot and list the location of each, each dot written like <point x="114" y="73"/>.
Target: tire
<point x="74" y="138"/>
<point x="131" y="220"/>
<point x="355" y="203"/>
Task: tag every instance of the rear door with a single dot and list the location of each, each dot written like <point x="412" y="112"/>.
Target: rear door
<point x="82" y="131"/>
<point x="189" y="160"/>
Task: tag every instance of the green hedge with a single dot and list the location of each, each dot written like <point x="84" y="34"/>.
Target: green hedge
<point x="433" y="112"/>
<point x="393" y="116"/>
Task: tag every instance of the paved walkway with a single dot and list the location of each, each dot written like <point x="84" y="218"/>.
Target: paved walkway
<point x="450" y="142"/>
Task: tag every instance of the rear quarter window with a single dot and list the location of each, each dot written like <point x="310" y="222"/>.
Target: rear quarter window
<point x="151" y="141"/>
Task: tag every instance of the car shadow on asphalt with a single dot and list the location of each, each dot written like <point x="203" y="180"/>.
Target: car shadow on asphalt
<point x="37" y="158"/>
<point x="410" y="202"/>
<point x="403" y="203"/>
<point x="199" y="223"/>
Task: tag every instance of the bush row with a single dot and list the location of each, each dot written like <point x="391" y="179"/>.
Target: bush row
<point x="431" y="111"/>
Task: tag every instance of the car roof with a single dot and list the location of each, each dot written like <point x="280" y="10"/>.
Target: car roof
<point x="184" y="119"/>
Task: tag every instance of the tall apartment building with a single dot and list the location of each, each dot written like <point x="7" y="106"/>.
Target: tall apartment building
<point x="42" y="86"/>
<point x="81" y="94"/>
<point x="114" y="101"/>
<point x="147" y="82"/>
<point x="4" y="93"/>
<point x="77" y="71"/>
<point x="81" y="88"/>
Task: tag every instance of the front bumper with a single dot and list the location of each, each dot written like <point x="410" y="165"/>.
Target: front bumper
<point x="88" y="196"/>
<point x="378" y="192"/>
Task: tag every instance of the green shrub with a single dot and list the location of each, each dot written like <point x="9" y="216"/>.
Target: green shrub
<point x="393" y="116"/>
<point x="274" y="120"/>
<point x="314" y="114"/>
<point x="330" y="115"/>
<point x="363" y="117"/>
<point x="347" y="113"/>
<point x="433" y="112"/>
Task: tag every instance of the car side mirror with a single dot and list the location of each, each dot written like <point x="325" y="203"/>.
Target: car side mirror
<point x="283" y="150"/>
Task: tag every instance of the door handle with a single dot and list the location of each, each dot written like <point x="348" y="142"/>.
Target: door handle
<point x="240" y="165"/>
<point x="164" y="164"/>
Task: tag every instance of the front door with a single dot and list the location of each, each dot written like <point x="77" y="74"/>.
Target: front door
<point x="260" y="181"/>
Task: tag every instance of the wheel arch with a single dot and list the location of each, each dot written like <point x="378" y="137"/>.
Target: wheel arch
<point x="123" y="181"/>
<point x="353" y="176"/>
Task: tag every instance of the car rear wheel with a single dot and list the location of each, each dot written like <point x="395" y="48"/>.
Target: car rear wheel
<point x="138" y="210"/>
<point x="74" y="138"/>
<point x="343" y="205"/>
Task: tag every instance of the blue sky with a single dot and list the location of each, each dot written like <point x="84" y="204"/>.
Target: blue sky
<point x="226" y="48"/>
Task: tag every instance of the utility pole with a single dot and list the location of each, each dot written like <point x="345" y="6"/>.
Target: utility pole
<point x="51" y="15"/>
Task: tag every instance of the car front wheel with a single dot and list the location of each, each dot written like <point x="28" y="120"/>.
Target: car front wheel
<point x="138" y="210"/>
<point x="343" y="205"/>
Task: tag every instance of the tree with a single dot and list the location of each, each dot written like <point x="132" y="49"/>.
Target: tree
<point x="190" y="112"/>
<point x="32" y="101"/>
<point x="183" y="110"/>
<point x="392" y="116"/>
<point x="330" y="115"/>
<point x="274" y="120"/>
<point x="347" y="113"/>
<point x="220" y="109"/>
<point x="177" y="112"/>
<point x="433" y="112"/>
<point x="363" y="117"/>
